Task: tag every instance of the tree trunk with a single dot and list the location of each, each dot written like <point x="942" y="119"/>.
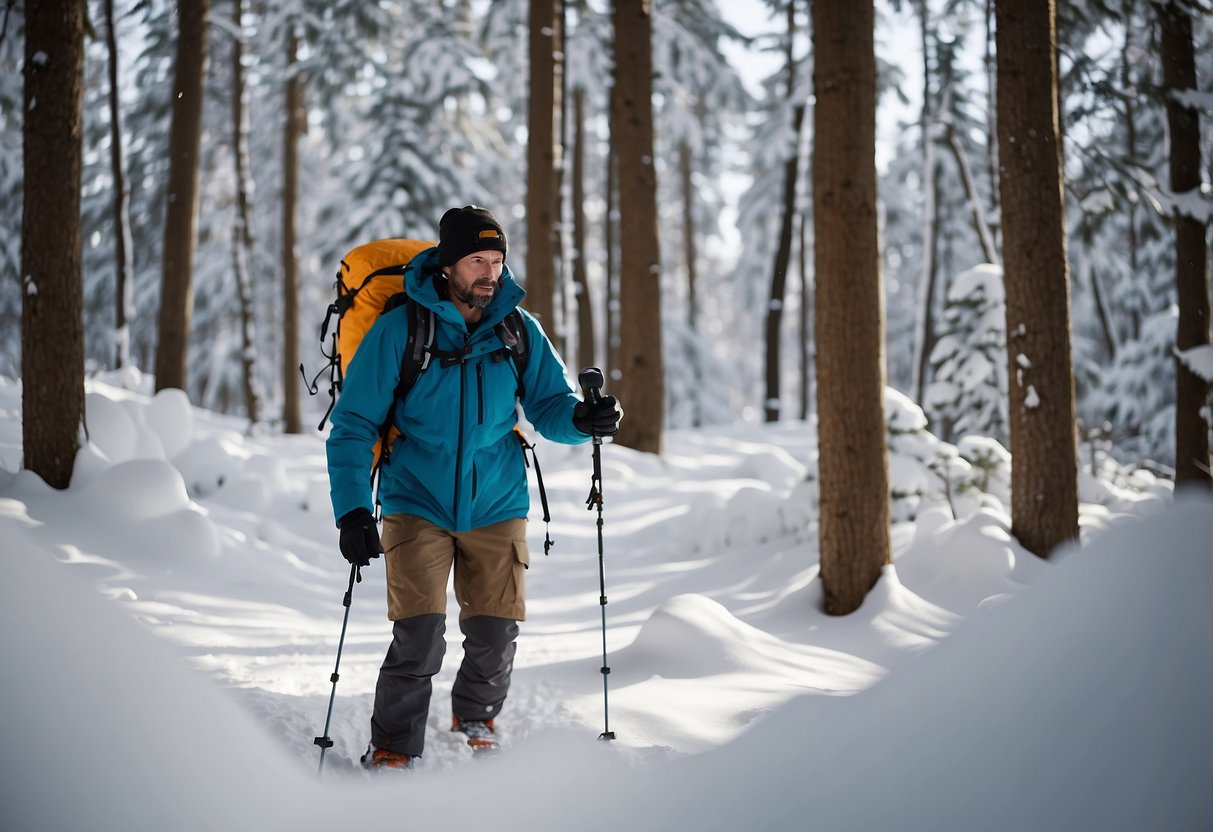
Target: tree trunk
<point x="242" y="232"/>
<point x="52" y="317"/>
<point x="991" y="113"/>
<point x="642" y="386"/>
<point x="542" y="158"/>
<point x="806" y="323"/>
<point x="295" y="118"/>
<point x="924" y="335"/>
<point x="1130" y="98"/>
<point x="853" y="462"/>
<point x="689" y="252"/>
<point x="970" y="188"/>
<point x="772" y="404"/>
<point x="181" y="217"/>
<point x="609" y="237"/>
<point x="1191" y="248"/>
<point x="1044" y="477"/>
<point x="585" y="305"/>
<point x="124" y="282"/>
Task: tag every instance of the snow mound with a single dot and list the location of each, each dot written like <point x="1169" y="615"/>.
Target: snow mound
<point x="170" y="415"/>
<point x="772" y="465"/>
<point x="140" y="489"/>
<point x="209" y="462"/>
<point x="101" y="716"/>
<point x="146" y="500"/>
<point x="990" y="561"/>
<point x="691" y="636"/>
<point x="110" y="428"/>
<point x="1124" y="720"/>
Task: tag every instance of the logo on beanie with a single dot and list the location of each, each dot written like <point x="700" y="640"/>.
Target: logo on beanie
<point x="489" y="232"/>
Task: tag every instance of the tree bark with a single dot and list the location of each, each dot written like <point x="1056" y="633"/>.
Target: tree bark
<point x="1044" y="480"/>
<point x="641" y="382"/>
<point x="124" y="301"/>
<point x="806" y="323"/>
<point x="924" y="335"/>
<point x="970" y="188"/>
<point x="585" y="305"/>
<point x="542" y="193"/>
<point x="772" y="404"/>
<point x="1191" y="247"/>
<point x="295" y="118"/>
<point x="609" y="238"/>
<point x="52" y="317"/>
<point x="181" y="217"/>
<point x="853" y="462"/>
<point x="242" y="232"/>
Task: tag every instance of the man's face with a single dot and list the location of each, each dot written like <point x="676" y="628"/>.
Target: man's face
<point x="475" y="279"/>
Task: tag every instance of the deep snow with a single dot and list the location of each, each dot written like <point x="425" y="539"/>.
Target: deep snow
<point x="172" y="621"/>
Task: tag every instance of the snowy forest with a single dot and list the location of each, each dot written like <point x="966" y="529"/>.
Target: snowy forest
<point x="228" y="153"/>
<point x="907" y="303"/>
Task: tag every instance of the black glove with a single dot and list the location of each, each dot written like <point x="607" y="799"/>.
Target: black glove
<point x="359" y="537"/>
<point x="598" y="418"/>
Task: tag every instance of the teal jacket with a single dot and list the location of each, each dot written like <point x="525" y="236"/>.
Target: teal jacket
<point x="458" y="463"/>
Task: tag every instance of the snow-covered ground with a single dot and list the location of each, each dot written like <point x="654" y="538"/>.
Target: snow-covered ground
<point x="171" y="623"/>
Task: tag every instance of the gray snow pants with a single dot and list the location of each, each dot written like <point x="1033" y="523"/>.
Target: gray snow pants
<point x="402" y="695"/>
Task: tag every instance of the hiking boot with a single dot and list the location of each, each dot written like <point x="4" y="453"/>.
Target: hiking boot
<point x="380" y="758"/>
<point x="479" y="733"/>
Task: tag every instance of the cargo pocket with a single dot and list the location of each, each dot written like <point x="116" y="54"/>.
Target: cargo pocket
<point x="514" y="594"/>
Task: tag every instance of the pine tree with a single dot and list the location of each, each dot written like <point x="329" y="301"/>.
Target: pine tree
<point x="853" y="461"/>
<point x="52" y="324"/>
<point x="1044" y="493"/>
<point x="969" y="389"/>
<point x="180" y="224"/>
<point x="641" y="386"/>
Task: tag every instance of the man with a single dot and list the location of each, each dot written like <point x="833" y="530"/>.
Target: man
<point x="453" y="490"/>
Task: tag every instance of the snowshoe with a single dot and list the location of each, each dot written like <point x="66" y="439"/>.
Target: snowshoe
<point x="480" y="734"/>
<point x="377" y="759"/>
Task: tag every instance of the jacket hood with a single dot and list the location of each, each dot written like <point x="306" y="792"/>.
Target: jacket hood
<point x="422" y="280"/>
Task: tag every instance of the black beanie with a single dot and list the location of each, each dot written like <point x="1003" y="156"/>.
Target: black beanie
<point x="466" y="230"/>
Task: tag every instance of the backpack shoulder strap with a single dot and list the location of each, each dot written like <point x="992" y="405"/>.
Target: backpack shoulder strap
<point x="513" y="332"/>
<point x="420" y="345"/>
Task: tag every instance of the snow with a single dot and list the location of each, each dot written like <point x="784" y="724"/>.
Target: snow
<point x="1199" y="360"/>
<point x="173" y="620"/>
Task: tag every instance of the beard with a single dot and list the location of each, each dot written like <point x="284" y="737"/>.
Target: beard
<point x="467" y="294"/>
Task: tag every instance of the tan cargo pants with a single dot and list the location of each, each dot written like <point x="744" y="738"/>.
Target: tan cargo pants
<point x="489" y="565"/>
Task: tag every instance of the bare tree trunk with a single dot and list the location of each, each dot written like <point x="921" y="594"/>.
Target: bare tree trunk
<point x="124" y="282"/>
<point x="970" y="188"/>
<point x="295" y="118"/>
<point x="642" y="385"/>
<point x="991" y="112"/>
<point x="924" y="340"/>
<point x="181" y="218"/>
<point x="585" y="303"/>
<point x="242" y="232"/>
<point x="1130" y="96"/>
<point x="689" y="249"/>
<point x="1191" y="247"/>
<point x="542" y="195"/>
<point x="806" y="323"/>
<point x="52" y="293"/>
<point x="610" y="235"/>
<point x="1044" y="477"/>
<point x="772" y="404"/>
<point x="853" y="462"/>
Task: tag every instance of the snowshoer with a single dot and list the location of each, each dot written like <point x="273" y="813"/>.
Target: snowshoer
<point x="453" y="486"/>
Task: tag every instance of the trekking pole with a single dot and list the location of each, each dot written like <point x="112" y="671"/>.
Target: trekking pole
<point x="591" y="384"/>
<point x="323" y="741"/>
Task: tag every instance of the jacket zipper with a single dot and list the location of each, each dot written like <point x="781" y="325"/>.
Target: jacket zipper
<point x="459" y="447"/>
<point x="480" y="391"/>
